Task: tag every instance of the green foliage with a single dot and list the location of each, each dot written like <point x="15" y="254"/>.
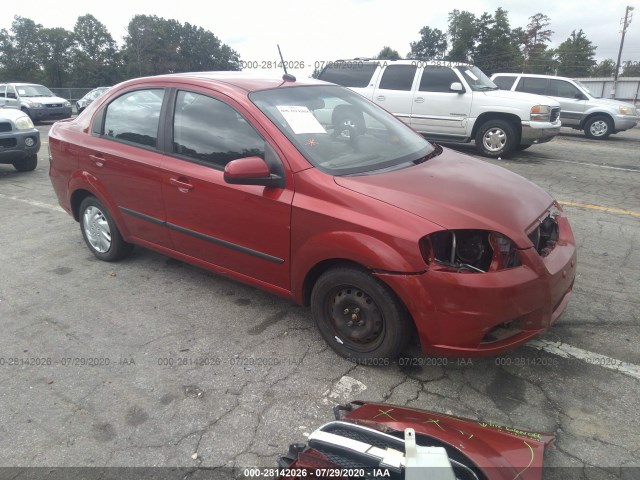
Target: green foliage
<point x="575" y="56"/>
<point x="388" y="53"/>
<point x="497" y="49"/>
<point x="89" y="57"/>
<point x="432" y="45"/>
<point x="538" y="58"/>
<point x="462" y="32"/>
<point x="630" y="69"/>
<point x="606" y="68"/>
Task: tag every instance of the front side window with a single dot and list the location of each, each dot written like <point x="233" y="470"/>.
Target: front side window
<point x="504" y="82"/>
<point x="532" y="85"/>
<point x="398" y="77"/>
<point x="341" y="132"/>
<point x="134" y="117"/>
<point x="437" y="79"/>
<point x="211" y="132"/>
<point x="560" y="88"/>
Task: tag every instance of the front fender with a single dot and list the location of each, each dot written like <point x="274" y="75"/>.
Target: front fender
<point x="363" y="249"/>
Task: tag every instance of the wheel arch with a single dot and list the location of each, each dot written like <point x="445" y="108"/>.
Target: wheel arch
<point x="590" y="115"/>
<point x="511" y="118"/>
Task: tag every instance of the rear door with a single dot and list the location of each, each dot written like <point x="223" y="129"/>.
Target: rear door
<point x="394" y="90"/>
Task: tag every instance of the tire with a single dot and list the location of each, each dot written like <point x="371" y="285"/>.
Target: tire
<point x="496" y="138"/>
<point x="359" y="317"/>
<point x="100" y="232"/>
<point x="28" y="164"/>
<point x="598" y="127"/>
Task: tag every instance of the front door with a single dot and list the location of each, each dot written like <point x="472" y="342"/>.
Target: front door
<point x="242" y="228"/>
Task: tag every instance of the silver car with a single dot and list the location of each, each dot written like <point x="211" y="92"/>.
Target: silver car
<point x="579" y="108"/>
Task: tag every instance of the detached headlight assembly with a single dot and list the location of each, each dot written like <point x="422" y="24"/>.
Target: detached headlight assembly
<point x="540" y="113"/>
<point x="24" y="123"/>
<point x="469" y="251"/>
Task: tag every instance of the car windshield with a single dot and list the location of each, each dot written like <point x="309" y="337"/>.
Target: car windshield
<point x="339" y="131"/>
<point x="34" y="91"/>
<point x="476" y="79"/>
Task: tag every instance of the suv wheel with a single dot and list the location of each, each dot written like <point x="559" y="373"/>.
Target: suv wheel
<point x="495" y="138"/>
<point x="26" y="165"/>
<point x="598" y="127"/>
<point x="359" y="317"/>
<point x="100" y="231"/>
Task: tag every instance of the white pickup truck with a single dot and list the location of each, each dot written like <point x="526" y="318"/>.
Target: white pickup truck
<point x="451" y="102"/>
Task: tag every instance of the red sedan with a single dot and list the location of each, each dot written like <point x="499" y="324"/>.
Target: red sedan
<point x="312" y="192"/>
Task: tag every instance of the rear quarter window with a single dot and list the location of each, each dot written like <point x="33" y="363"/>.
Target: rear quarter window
<point x="352" y="74"/>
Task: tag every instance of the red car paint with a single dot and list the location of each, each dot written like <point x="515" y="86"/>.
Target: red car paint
<point x="316" y="219"/>
<point x="499" y="452"/>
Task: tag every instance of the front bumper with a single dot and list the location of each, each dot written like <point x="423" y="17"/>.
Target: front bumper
<point x="476" y="314"/>
<point x="625" y="122"/>
<point x="538" y="132"/>
<point x="49" y="113"/>
<point x="13" y="147"/>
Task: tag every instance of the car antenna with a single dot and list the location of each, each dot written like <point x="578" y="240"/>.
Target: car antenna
<point x="287" y="77"/>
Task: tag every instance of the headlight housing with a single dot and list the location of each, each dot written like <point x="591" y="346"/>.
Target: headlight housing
<point x="541" y="113"/>
<point x="627" y="110"/>
<point x="67" y="104"/>
<point x="469" y="251"/>
<point x="24" y="123"/>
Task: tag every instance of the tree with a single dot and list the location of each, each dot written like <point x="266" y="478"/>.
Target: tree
<point x="95" y="57"/>
<point x="21" y="50"/>
<point x="537" y="58"/>
<point x="432" y="45"/>
<point x="606" y="68"/>
<point x="575" y="55"/>
<point x="630" y="69"/>
<point x="497" y="49"/>
<point x="55" y="55"/>
<point x="462" y="31"/>
<point x="388" y="53"/>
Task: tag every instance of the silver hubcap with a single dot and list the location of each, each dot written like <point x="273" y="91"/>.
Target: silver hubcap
<point x="494" y="139"/>
<point x="96" y="229"/>
<point x="598" y="128"/>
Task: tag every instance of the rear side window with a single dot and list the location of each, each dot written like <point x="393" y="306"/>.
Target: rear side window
<point x="352" y="74"/>
<point x="211" y="132"/>
<point x="437" y="79"/>
<point x="134" y="116"/>
<point x="504" y="83"/>
<point x="398" y="77"/>
<point x="532" y="85"/>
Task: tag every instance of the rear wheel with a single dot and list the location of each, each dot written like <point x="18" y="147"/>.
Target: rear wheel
<point x="598" y="127"/>
<point x="359" y="316"/>
<point x="28" y="164"/>
<point x="496" y="138"/>
<point x="100" y="231"/>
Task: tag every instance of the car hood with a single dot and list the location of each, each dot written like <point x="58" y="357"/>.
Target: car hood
<point x="44" y="99"/>
<point x="608" y="102"/>
<point x="457" y="191"/>
<point x="13" y="114"/>
<point x="528" y="98"/>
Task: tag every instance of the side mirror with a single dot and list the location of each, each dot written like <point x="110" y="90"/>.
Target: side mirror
<point x="251" y="171"/>
<point x="580" y="96"/>
<point x="456" y="87"/>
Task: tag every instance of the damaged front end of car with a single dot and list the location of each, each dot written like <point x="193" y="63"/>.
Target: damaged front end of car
<point x="373" y="440"/>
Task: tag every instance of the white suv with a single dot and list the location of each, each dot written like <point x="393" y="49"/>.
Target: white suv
<point x="598" y="117"/>
<point x="451" y="102"/>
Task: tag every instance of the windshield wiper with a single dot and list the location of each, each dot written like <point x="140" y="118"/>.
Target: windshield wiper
<point x="437" y="150"/>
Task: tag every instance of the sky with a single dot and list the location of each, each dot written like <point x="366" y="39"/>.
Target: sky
<point x="326" y="30"/>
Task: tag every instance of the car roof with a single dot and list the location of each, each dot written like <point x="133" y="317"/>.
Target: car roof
<point x="246" y="81"/>
<point x="416" y="61"/>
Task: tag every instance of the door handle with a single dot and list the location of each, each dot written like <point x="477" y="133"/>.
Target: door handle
<point x="182" y="184"/>
<point x="419" y="99"/>
<point x="99" y="161"/>
<point x="381" y="98"/>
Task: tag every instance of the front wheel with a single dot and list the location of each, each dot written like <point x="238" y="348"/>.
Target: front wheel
<point x="496" y="138"/>
<point x="359" y="317"/>
<point x="100" y="231"/>
<point x="598" y="127"/>
<point x="28" y="164"/>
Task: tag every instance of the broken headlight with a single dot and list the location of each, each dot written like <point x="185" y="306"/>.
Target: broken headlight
<point x="469" y="251"/>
